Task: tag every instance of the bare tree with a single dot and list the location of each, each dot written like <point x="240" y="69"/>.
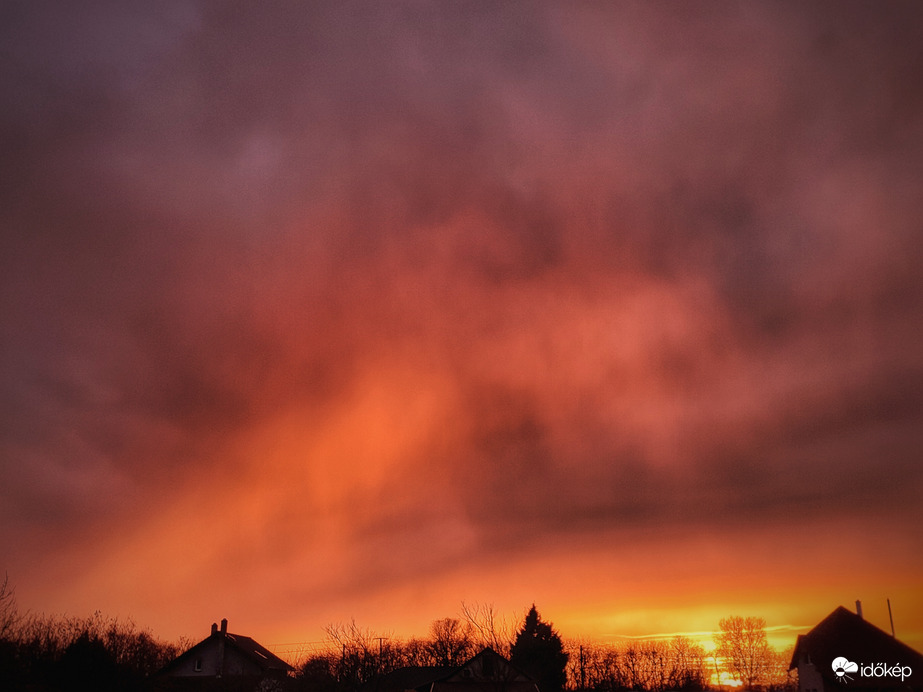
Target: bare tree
<point x="642" y="665"/>
<point x="362" y="654"/>
<point x="688" y="664"/>
<point x="594" y="666"/>
<point x="650" y="665"/>
<point x="450" y="642"/>
<point x="743" y="646"/>
<point x="488" y="629"/>
<point x="780" y="677"/>
<point x="9" y="616"/>
<point x="415" y="652"/>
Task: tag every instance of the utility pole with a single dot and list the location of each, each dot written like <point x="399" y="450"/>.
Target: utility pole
<point x="582" y="670"/>
<point x="380" y="649"/>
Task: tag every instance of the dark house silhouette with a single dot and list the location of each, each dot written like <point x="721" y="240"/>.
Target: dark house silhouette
<point x="846" y="635"/>
<point x="227" y="656"/>
<point x="487" y="671"/>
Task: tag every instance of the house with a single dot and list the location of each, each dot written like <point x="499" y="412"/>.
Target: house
<point x="487" y="671"/>
<point x="226" y="655"/>
<point x="845" y="651"/>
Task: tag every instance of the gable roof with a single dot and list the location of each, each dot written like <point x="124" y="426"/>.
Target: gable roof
<point x="489" y="665"/>
<point x="249" y="648"/>
<point x="411" y="678"/>
<point x="257" y="652"/>
<point x="845" y="634"/>
<point x="486" y="668"/>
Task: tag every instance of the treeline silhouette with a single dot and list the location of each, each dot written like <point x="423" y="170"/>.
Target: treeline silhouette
<point x="52" y="652"/>
<point x="43" y="653"/>
<point x="73" y="653"/>
<point x="354" y="656"/>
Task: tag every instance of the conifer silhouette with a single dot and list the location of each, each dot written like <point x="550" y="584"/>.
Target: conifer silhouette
<point x="539" y="652"/>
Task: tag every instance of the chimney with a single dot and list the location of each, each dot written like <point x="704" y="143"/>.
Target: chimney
<point x="859" y="608"/>
<point x="224" y="633"/>
<point x="214" y="628"/>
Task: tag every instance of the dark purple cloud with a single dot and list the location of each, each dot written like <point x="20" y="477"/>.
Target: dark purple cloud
<point x="630" y="269"/>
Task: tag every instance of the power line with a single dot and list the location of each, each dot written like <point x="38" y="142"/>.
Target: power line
<point x="298" y="650"/>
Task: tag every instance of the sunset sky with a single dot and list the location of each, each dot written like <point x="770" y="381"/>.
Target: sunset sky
<point x="321" y="311"/>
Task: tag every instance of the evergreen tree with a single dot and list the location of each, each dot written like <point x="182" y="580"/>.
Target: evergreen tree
<point x="539" y="652"/>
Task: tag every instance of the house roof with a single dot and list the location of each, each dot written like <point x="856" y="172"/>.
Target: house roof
<point x="411" y="678"/>
<point x="257" y="652"/>
<point x="246" y="646"/>
<point x="429" y="678"/>
<point x="846" y="634"/>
